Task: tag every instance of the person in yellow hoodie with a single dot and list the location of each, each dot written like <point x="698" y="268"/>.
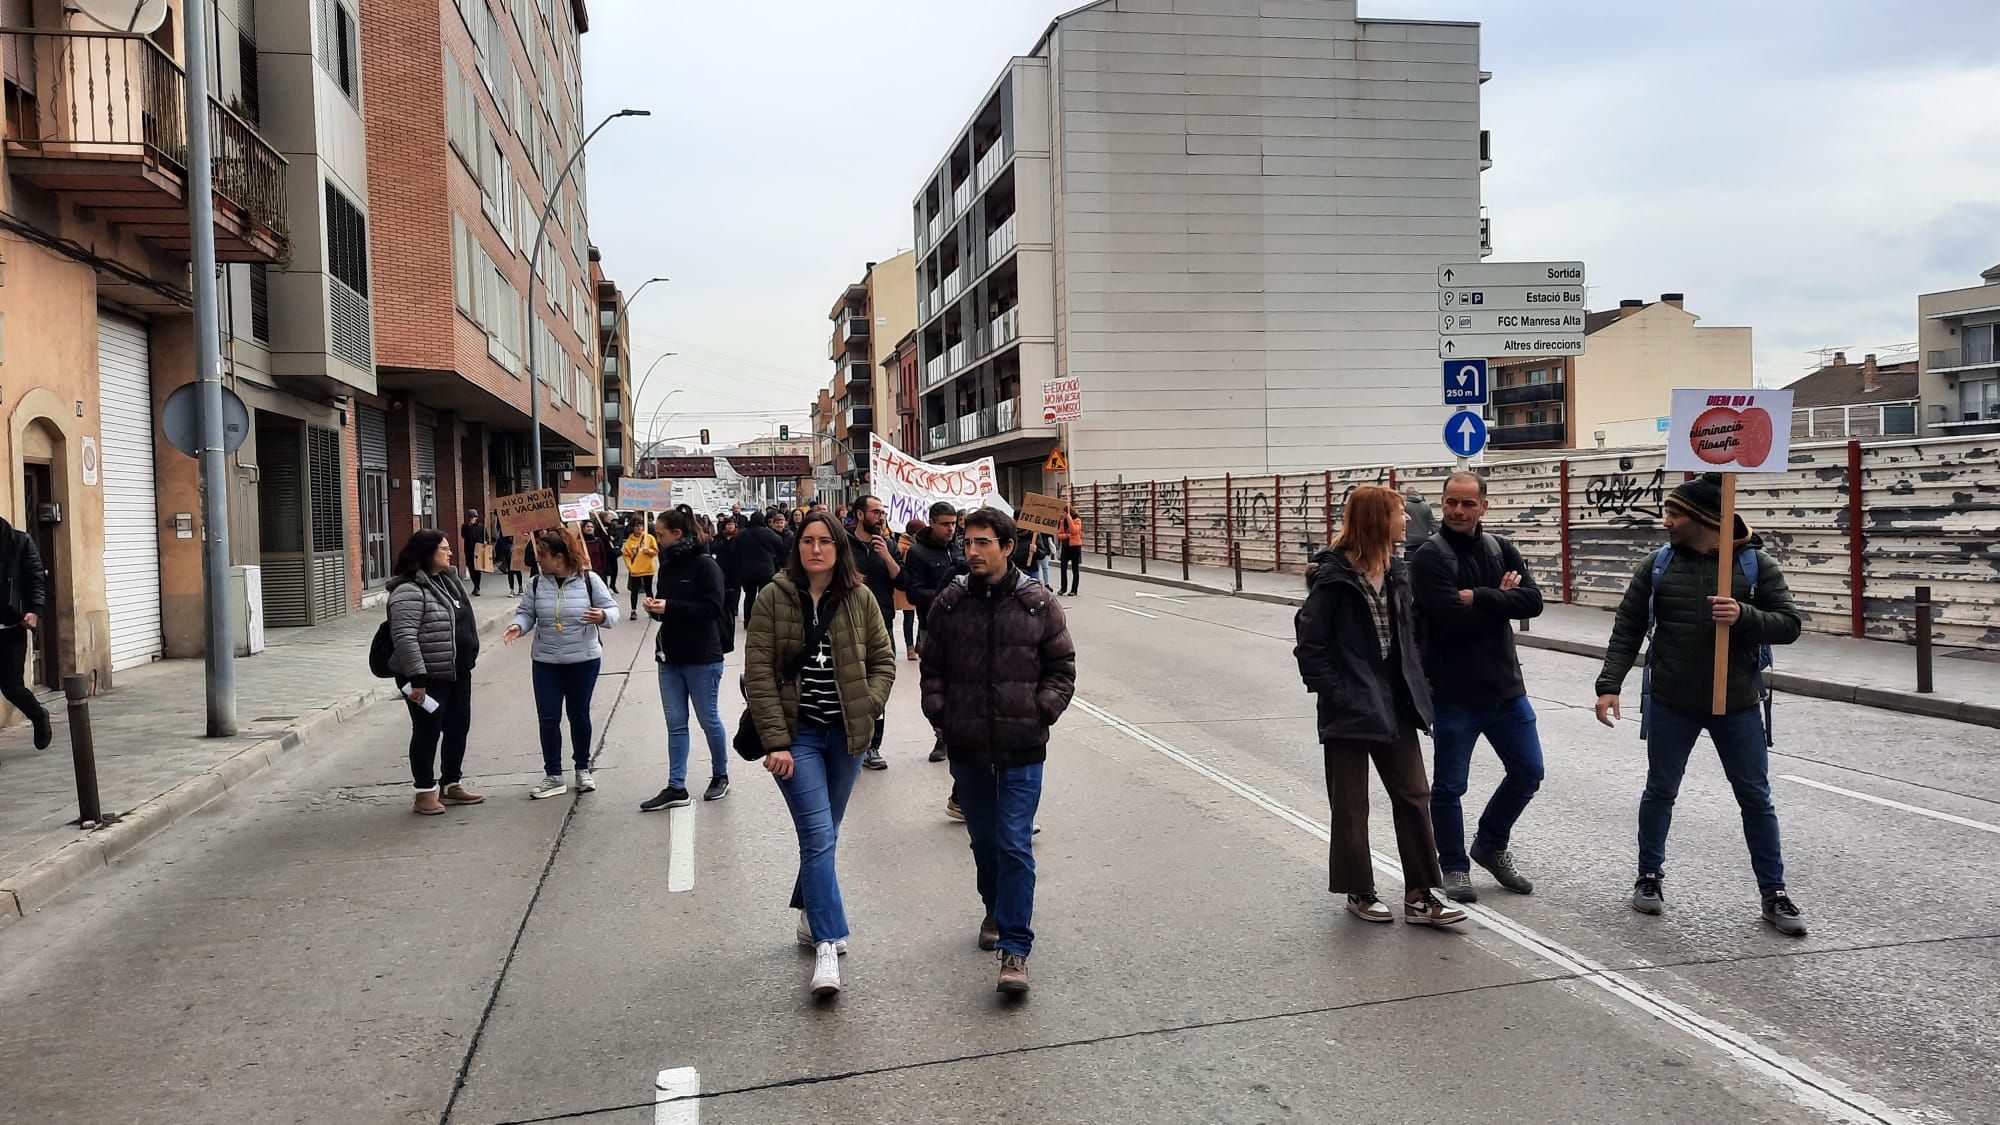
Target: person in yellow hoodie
<point x="642" y="561"/>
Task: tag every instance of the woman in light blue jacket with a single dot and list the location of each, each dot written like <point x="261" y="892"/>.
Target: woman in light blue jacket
<point x="565" y="604"/>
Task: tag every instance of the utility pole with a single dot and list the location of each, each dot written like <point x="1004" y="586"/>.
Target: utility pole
<point x="220" y="656"/>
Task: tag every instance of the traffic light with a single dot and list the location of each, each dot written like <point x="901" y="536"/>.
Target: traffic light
<point x="784" y="433"/>
<point x="704" y="437"/>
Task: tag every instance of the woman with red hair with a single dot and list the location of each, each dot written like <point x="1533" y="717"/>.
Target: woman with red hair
<point x="1357" y="652"/>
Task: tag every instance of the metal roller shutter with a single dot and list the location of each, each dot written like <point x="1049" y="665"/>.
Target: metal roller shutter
<point x="131" y="516"/>
<point x="372" y="435"/>
<point x="426" y="453"/>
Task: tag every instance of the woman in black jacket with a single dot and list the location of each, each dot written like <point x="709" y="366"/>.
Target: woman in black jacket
<point x="436" y="640"/>
<point x="1357" y="652"/>
<point x="694" y="633"/>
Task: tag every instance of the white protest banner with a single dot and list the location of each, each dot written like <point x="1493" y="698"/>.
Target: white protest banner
<point x="582" y="507"/>
<point x="1730" y="429"/>
<point x="908" y="487"/>
<point x="1062" y="400"/>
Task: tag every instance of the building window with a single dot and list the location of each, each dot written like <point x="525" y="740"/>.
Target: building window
<point x="247" y="103"/>
<point x="260" y="303"/>
<point x="1899" y="421"/>
<point x="1978" y="343"/>
<point x="1978" y="399"/>
<point x="346" y="241"/>
<point x="340" y="47"/>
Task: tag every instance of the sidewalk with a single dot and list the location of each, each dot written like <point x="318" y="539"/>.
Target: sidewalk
<point x="154" y="762"/>
<point x="1872" y="673"/>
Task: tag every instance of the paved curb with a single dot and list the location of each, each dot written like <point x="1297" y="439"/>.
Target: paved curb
<point x="38" y="884"/>
<point x="1905" y="702"/>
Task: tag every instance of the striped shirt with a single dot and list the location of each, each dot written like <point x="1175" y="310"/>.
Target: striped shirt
<point x="819" y="697"/>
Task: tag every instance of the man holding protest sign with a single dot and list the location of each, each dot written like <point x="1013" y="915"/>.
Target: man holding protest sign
<point x="1712" y="623"/>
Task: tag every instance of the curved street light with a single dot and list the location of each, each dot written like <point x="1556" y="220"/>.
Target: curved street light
<point x="528" y="319"/>
<point x="640" y="386"/>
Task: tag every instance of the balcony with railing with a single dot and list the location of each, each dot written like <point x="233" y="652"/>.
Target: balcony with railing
<point x="934" y="371"/>
<point x="1958" y="359"/>
<point x="1526" y="393"/>
<point x="1002" y="240"/>
<point x="860" y="416"/>
<point x="937" y="227"/>
<point x="961" y="197"/>
<point x="1529" y="433"/>
<point x="956" y="357"/>
<point x="1000" y="418"/>
<point x="1006" y="329"/>
<point x="101" y="117"/>
<point x="990" y="163"/>
<point x="953" y="285"/>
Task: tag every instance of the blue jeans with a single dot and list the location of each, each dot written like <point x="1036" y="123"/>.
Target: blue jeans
<point x="560" y="688"/>
<point x="1456" y="728"/>
<point x="823" y="774"/>
<point x="701" y="683"/>
<point x="999" y="807"/>
<point x="1739" y="742"/>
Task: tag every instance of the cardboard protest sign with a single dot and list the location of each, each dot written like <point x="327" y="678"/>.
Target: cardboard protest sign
<point x="1040" y="514"/>
<point x="482" y="558"/>
<point x="526" y="512"/>
<point x="908" y="487"/>
<point x="1744" y="430"/>
<point x="645" y="495"/>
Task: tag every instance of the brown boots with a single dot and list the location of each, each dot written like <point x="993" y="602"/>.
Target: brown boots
<point x="431" y="803"/>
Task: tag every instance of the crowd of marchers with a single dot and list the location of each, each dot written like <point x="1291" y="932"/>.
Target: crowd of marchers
<point x="1407" y="628"/>
<point x="819" y="593"/>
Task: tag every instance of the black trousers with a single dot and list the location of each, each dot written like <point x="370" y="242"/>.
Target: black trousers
<point x="641" y="585"/>
<point x="1072" y="568"/>
<point x="448" y="725"/>
<point x="751" y="586"/>
<point x="13" y="661"/>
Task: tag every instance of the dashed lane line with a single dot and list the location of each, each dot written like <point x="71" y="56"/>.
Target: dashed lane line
<point x="679" y="1097"/>
<point x="1133" y="612"/>
<point x="1809" y="1086"/>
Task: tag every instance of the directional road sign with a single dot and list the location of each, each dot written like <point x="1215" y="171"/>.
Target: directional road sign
<point x="1465" y="382"/>
<point x="1479" y="274"/>
<point x="1459" y="298"/>
<point x="1465" y="434"/>
<point x="1510" y="321"/>
<point x="1502" y="345"/>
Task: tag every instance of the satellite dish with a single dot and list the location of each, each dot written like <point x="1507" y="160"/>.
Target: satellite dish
<point x="141" y="16"/>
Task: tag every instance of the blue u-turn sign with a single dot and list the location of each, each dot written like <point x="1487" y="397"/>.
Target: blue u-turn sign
<point x="1465" y="382"/>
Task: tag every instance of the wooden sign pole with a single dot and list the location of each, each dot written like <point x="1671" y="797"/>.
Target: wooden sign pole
<point x="1725" y="575"/>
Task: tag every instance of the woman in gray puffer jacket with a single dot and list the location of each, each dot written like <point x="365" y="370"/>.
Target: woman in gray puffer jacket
<point x="436" y="644"/>
<point x="565" y="605"/>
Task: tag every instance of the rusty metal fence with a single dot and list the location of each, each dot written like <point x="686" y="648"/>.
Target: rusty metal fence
<point x="1857" y="526"/>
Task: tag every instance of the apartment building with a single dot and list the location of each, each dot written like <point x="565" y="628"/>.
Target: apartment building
<point x="869" y="317"/>
<point x="472" y="108"/>
<point x="1618" y="392"/>
<point x="1958" y="338"/>
<point x="1225" y="222"/>
<point x="614" y="343"/>
<point x="899" y="407"/>
<point x="96" y="309"/>
<point x="1856" y="400"/>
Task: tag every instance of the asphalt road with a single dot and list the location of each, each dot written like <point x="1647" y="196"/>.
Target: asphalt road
<point x="306" y="950"/>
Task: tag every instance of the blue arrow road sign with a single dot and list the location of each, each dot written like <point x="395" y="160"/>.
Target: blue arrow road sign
<point x="1465" y="434"/>
<point x="1465" y="382"/>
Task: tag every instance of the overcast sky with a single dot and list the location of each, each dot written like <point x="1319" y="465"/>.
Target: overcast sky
<point x="1802" y="168"/>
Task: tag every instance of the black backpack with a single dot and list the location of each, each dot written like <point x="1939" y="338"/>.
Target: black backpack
<point x="380" y="650"/>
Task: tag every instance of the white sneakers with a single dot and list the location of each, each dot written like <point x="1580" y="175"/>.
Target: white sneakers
<point x="585" y="783"/>
<point x="826" y="969"/>
<point x="806" y="935"/>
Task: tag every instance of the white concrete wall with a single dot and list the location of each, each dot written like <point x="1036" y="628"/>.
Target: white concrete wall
<point x="1251" y="211"/>
<point x="1629" y="369"/>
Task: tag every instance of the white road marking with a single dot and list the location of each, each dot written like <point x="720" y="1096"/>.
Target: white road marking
<point x="1809" y="1086"/>
<point x="1160" y="597"/>
<point x="678" y="1100"/>
<point x="1932" y="813"/>
<point x="680" y="849"/>
<point x="1133" y="612"/>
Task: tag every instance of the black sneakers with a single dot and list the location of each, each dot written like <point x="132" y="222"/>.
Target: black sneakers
<point x="1647" y="898"/>
<point x="45" y="734"/>
<point x="672" y="797"/>
<point x="1783" y="914"/>
<point x="937" y="751"/>
<point x="875" y="761"/>
<point x="718" y="788"/>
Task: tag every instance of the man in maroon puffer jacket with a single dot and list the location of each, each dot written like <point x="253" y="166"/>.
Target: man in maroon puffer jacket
<point x="998" y="671"/>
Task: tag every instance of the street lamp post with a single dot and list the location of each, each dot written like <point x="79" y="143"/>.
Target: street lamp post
<point x="617" y="326"/>
<point x="528" y="319"/>
<point x="640" y="386"/>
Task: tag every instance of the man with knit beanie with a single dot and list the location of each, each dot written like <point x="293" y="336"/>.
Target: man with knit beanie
<point x="1673" y="594"/>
